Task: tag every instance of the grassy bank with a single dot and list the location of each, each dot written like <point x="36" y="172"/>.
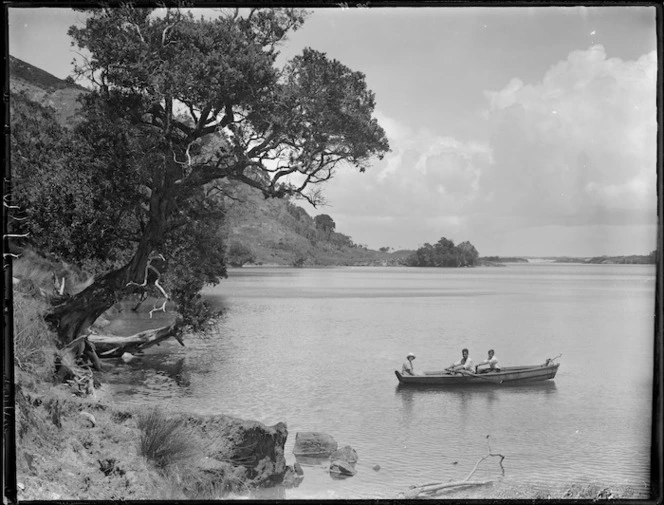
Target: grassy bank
<point x="69" y="446"/>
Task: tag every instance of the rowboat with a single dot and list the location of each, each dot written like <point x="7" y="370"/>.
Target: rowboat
<point x="507" y="376"/>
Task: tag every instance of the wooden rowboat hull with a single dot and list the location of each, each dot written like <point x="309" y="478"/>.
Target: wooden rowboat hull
<point x="506" y="376"/>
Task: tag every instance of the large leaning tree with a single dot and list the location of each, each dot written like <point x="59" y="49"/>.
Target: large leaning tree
<point x="181" y="105"/>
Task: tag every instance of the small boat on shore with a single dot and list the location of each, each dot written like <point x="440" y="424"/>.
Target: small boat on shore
<point x="506" y="376"/>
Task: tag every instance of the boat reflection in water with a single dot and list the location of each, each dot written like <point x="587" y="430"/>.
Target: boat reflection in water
<point x="407" y="391"/>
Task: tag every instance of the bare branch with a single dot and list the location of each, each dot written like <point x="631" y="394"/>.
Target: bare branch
<point x="431" y="488"/>
<point x="138" y="30"/>
<point x="158" y="286"/>
<point x="157" y="309"/>
<point x="147" y="266"/>
<point x="165" y="32"/>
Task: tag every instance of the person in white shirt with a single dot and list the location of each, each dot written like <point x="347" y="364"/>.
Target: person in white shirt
<point x="408" y="368"/>
<point x="492" y="361"/>
<point x="464" y="364"/>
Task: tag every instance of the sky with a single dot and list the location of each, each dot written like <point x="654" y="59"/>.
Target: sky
<point x="528" y="131"/>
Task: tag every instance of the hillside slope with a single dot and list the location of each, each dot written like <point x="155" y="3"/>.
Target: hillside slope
<point x="279" y="232"/>
<point x="46" y="89"/>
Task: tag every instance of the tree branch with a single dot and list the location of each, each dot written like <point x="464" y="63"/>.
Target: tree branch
<point x="113" y="346"/>
<point x="432" y="488"/>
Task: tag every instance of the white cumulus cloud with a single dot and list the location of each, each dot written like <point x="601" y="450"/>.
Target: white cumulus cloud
<point x="576" y="149"/>
<point x="579" y="147"/>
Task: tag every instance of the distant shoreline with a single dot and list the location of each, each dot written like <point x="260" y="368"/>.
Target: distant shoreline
<point x="488" y="261"/>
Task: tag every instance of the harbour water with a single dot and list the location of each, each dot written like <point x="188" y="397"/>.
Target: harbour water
<point x="317" y="348"/>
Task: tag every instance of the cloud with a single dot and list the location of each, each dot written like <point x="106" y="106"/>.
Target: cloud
<point x="576" y="149"/>
<point x="419" y="192"/>
<point x="579" y="147"/>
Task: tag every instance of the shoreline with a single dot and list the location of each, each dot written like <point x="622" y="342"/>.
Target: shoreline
<point x="66" y="462"/>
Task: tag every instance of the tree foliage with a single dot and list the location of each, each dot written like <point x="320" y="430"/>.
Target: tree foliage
<point x="279" y="130"/>
<point x="179" y="105"/>
<point x="62" y="207"/>
<point x="325" y="224"/>
<point x="239" y="254"/>
<point x="444" y="254"/>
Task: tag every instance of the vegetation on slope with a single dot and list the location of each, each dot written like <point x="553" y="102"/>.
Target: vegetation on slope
<point x="46" y="89"/>
<point x="279" y="232"/>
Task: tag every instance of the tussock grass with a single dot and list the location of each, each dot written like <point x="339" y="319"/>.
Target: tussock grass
<point x="196" y="484"/>
<point x="165" y="441"/>
<point x="34" y="343"/>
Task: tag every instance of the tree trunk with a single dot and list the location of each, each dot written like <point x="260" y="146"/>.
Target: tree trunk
<point x="77" y="314"/>
<point x="113" y="346"/>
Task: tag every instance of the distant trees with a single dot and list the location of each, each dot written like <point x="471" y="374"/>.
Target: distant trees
<point x="468" y="255"/>
<point x="444" y="254"/>
<point x="239" y="254"/>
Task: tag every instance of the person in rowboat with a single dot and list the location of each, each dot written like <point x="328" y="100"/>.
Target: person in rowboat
<point x="408" y="368"/>
<point x="492" y="361"/>
<point x="465" y="363"/>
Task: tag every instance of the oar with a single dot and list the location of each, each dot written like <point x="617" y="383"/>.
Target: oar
<point x="549" y="361"/>
<point x="466" y="372"/>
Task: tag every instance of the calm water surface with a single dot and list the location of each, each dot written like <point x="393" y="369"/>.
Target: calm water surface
<point x="317" y="348"/>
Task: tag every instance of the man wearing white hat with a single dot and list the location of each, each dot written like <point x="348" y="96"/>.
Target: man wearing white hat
<point x="407" y="368"/>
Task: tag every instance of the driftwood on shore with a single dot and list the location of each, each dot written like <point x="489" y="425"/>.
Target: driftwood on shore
<point x="431" y="489"/>
<point x="114" y="346"/>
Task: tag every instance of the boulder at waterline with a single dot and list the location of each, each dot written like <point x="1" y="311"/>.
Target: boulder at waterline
<point x="346" y="453"/>
<point x="312" y="443"/>
<point x="249" y="451"/>
<point x="342" y="462"/>
<point x="339" y="468"/>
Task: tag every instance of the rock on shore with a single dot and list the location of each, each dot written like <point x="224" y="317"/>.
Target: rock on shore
<point x="244" y="450"/>
<point x="342" y="462"/>
<point x="312" y="443"/>
<point x="82" y="448"/>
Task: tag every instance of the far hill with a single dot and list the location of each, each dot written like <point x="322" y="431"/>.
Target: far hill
<point x="279" y="232"/>
<point x="46" y="89"/>
<point x="634" y="259"/>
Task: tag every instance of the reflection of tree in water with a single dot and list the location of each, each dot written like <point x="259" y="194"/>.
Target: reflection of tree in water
<point x="173" y="369"/>
<point x="155" y="372"/>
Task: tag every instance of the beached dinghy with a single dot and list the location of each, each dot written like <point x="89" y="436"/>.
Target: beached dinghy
<point x="507" y="375"/>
